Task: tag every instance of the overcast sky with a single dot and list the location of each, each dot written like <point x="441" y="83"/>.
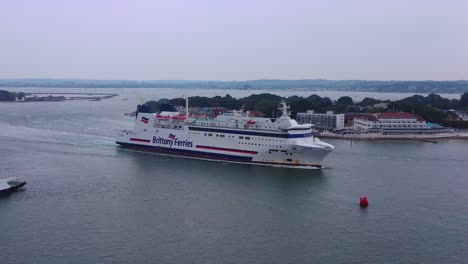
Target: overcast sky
<point x="234" y="40"/>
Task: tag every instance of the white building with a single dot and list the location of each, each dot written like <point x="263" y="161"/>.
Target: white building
<point x="381" y="105"/>
<point x="394" y="124"/>
<point x="462" y="115"/>
<point x="329" y="120"/>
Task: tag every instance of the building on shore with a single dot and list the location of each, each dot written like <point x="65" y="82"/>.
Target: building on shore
<point x="49" y="98"/>
<point x="350" y="117"/>
<point x="329" y="120"/>
<point x="395" y="124"/>
<point x="462" y="115"/>
<point x="381" y="106"/>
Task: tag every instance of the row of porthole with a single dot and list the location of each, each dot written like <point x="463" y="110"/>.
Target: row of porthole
<point x="258" y="144"/>
<point x="260" y="138"/>
<point x="240" y="137"/>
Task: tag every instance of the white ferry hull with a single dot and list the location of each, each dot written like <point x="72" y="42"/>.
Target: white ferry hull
<point x="227" y="145"/>
<point x="222" y="157"/>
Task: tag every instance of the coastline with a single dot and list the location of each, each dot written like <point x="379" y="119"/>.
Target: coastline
<point x="370" y="137"/>
<point x="60" y="97"/>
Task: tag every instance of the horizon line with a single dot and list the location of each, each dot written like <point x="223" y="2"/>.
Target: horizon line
<point x="245" y="80"/>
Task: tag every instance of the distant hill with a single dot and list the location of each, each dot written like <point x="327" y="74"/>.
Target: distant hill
<point x="460" y="86"/>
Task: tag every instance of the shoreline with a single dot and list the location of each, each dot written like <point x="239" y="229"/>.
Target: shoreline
<point x="370" y="137"/>
<point x="60" y="97"/>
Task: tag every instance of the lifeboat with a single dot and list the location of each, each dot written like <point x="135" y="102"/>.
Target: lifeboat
<point x="179" y="117"/>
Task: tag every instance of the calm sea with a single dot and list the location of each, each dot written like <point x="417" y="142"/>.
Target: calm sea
<point x="88" y="201"/>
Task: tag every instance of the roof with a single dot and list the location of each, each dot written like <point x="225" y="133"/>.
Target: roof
<point x="399" y="115"/>
<point x="366" y="116"/>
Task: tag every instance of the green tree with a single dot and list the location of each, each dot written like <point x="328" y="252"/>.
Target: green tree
<point x="464" y="101"/>
<point x="268" y="108"/>
<point x="369" y="102"/>
<point x="298" y="105"/>
<point x="251" y="101"/>
<point x="230" y="103"/>
<point x="345" y="100"/>
<point x="7" y="96"/>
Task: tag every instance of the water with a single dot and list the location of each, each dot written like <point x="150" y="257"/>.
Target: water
<point x="142" y="95"/>
<point x="88" y="201"/>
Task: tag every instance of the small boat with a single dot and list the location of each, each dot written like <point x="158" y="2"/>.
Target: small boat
<point x="10" y="185"/>
<point x="130" y="114"/>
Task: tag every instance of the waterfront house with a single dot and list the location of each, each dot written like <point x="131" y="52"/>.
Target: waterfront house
<point x="329" y="120"/>
<point x="395" y="123"/>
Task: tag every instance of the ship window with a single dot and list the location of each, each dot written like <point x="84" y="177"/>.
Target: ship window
<point x="289" y="160"/>
<point x="221" y="135"/>
<point x="248" y="138"/>
<point x="210" y="135"/>
<point x="241" y="137"/>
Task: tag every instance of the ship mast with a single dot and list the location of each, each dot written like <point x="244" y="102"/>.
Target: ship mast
<point x="186" y="108"/>
<point x="284" y="109"/>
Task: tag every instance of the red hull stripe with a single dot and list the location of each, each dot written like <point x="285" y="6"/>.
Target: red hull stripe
<point x="140" y="140"/>
<point x="228" y="150"/>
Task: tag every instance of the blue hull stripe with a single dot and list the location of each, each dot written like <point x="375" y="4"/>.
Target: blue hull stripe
<point x="252" y="133"/>
<point x="188" y="153"/>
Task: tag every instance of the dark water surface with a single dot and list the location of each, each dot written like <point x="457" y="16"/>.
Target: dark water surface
<point x="87" y="201"/>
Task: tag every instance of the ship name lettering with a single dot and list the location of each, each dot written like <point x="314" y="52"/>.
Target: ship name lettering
<point x="172" y="142"/>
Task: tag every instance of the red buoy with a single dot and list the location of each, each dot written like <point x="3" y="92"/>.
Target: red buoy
<point x="363" y="201"/>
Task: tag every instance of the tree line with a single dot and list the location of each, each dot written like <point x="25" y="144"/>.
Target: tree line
<point x="7" y="96"/>
<point x="432" y="107"/>
<point x="459" y="86"/>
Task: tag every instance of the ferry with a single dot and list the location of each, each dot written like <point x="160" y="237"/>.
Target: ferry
<point x="230" y="137"/>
